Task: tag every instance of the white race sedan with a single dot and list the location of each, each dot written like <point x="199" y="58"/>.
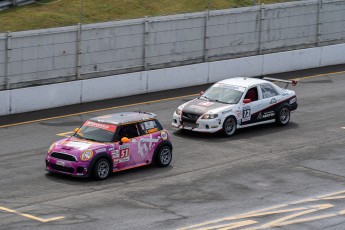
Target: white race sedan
<point x="237" y="103"/>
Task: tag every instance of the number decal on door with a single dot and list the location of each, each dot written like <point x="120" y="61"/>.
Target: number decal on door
<point x="246" y="114"/>
<point x="124" y="155"/>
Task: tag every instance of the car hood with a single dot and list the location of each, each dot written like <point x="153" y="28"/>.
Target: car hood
<point x="199" y="107"/>
<point x="75" y="146"/>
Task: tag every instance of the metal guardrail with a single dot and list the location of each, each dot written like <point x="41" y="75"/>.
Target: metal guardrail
<point x="5" y="4"/>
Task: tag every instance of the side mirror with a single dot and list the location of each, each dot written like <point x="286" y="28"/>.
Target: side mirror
<point x="124" y="140"/>
<point x="76" y="130"/>
<point x="201" y="93"/>
<point x="246" y="101"/>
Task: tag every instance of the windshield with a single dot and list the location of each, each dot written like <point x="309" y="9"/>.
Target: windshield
<point x="95" y="131"/>
<point x="224" y="93"/>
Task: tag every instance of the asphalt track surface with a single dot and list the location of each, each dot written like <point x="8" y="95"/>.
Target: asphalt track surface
<point x="264" y="177"/>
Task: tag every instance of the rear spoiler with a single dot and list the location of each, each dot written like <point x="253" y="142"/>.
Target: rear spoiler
<point x="292" y="82"/>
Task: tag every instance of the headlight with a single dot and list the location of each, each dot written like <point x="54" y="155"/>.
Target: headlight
<point x="209" y="116"/>
<point x="86" y="155"/>
<point x="51" y="148"/>
<point x="178" y="111"/>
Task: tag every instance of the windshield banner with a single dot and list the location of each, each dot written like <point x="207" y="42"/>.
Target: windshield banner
<point x="108" y="127"/>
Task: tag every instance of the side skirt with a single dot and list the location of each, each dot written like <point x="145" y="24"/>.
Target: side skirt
<point x="256" y="123"/>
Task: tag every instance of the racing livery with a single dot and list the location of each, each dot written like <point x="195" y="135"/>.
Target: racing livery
<point x="237" y="103"/>
<point x="111" y="143"/>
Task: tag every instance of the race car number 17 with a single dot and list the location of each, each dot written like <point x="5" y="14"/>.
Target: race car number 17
<point x="246" y="113"/>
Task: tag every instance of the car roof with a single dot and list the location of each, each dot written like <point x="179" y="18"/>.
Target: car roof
<point x="124" y="118"/>
<point x="243" y="81"/>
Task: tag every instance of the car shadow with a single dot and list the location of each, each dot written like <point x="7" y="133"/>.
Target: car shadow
<point x="245" y="133"/>
<point x="143" y="172"/>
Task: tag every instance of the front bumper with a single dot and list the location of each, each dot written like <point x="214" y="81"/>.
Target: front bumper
<point x="201" y="125"/>
<point x="72" y="168"/>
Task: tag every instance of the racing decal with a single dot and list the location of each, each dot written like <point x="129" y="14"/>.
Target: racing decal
<point x="259" y="116"/>
<point x="108" y="127"/>
<point x="197" y="107"/>
<point x="292" y="100"/>
<point x="268" y="114"/>
<point x="78" y="145"/>
<point x="206" y="103"/>
<point x="223" y="85"/>
<point x="273" y="101"/>
<point x="246" y="113"/>
<point x="147" y="144"/>
<point x="164" y="135"/>
<point x="123" y="154"/>
<point x="101" y="150"/>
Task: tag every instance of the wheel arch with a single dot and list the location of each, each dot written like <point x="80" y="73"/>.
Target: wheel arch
<point x="98" y="157"/>
<point x="159" y="146"/>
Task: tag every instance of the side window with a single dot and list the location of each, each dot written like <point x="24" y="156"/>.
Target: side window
<point x="150" y="127"/>
<point x="129" y="131"/>
<point x="268" y="91"/>
<point x="252" y="94"/>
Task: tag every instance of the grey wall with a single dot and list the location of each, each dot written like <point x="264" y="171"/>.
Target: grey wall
<point x="81" y="52"/>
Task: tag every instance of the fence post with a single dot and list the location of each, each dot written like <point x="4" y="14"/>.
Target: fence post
<point x="318" y="23"/>
<point x="206" y="38"/>
<point x="146" y="37"/>
<point x="8" y="59"/>
<point x="261" y="22"/>
<point x="78" y="67"/>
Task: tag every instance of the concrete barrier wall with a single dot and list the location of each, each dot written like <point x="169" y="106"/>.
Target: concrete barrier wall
<point x="80" y="52"/>
<point x="54" y="95"/>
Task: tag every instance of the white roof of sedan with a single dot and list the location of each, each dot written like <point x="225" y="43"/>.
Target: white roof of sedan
<point x="243" y="81"/>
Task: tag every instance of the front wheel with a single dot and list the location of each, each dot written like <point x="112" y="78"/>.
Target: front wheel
<point x="229" y="126"/>
<point x="101" y="170"/>
<point x="163" y="156"/>
<point x="283" y="116"/>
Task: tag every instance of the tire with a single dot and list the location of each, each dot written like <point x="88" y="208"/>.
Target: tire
<point x="229" y="126"/>
<point x="163" y="156"/>
<point x="102" y="169"/>
<point x="283" y="116"/>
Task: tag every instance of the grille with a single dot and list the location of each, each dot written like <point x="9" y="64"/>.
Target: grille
<point x="189" y="124"/>
<point x="189" y="117"/>
<point x="63" y="156"/>
<point x="61" y="168"/>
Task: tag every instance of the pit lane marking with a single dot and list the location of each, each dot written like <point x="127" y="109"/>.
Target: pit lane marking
<point x="142" y="103"/>
<point x="43" y="220"/>
<point x="242" y="219"/>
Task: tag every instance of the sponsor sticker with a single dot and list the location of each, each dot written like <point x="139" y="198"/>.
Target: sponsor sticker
<point x="234" y="87"/>
<point x="101" y="150"/>
<point x="197" y="107"/>
<point x="108" y="127"/>
<point x="206" y="103"/>
<point x="269" y="114"/>
<point x="246" y="114"/>
<point x="293" y="100"/>
<point x="78" y="145"/>
<point x="164" y="135"/>
<point x="273" y="101"/>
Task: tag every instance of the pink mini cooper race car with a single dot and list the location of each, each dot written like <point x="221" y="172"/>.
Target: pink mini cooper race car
<point x="111" y="143"/>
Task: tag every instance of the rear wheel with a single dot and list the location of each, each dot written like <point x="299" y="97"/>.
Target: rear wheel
<point x="163" y="156"/>
<point x="229" y="126"/>
<point x="283" y="116"/>
<point x="101" y="170"/>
